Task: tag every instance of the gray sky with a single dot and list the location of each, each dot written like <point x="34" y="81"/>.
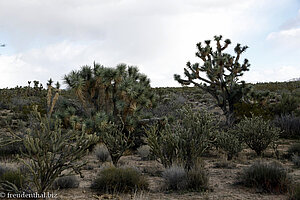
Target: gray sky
<point x="49" y="38"/>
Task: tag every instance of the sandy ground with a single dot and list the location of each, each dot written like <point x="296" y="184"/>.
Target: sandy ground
<point x="222" y="180"/>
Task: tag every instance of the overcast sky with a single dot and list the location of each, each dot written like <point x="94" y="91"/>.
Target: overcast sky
<point x="49" y="38"/>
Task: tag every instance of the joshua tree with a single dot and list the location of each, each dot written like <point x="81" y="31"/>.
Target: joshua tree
<point x="113" y="94"/>
<point x="222" y="72"/>
<point x="57" y="85"/>
<point x="50" y="81"/>
<point x="36" y="84"/>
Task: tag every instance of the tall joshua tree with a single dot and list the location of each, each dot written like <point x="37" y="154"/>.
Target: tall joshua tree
<point x="115" y="93"/>
<point x="222" y="72"/>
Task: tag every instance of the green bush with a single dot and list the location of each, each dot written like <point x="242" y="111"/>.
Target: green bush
<point x="2" y="170"/>
<point x="184" y="140"/>
<point x="162" y="144"/>
<point x="114" y="179"/>
<point x="294" y="149"/>
<point x="242" y="109"/>
<point x="294" y="192"/>
<point x="296" y="160"/>
<point x="195" y="131"/>
<point x="230" y="143"/>
<point x="116" y="141"/>
<point x="50" y="151"/>
<point x="66" y="182"/>
<point x="11" y="149"/>
<point x="257" y="133"/>
<point x="287" y="105"/>
<point x="12" y="180"/>
<point x="197" y="179"/>
<point x="268" y="177"/>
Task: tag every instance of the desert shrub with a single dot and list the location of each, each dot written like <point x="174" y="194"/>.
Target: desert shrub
<point x="66" y="182"/>
<point x="296" y="160"/>
<point x="116" y="141"/>
<point x="175" y="177"/>
<point x="144" y="152"/>
<point x="257" y="133"/>
<point x="195" y="130"/>
<point x="294" y="149"/>
<point x="11" y="149"/>
<point x="294" y="192"/>
<point x="184" y="140"/>
<point x="49" y="150"/>
<point x="289" y="124"/>
<point x="242" y="109"/>
<point x="269" y="177"/>
<point x="278" y="86"/>
<point x="102" y="153"/>
<point x="230" y="143"/>
<point x="197" y="179"/>
<point x="287" y="105"/>
<point x="296" y="92"/>
<point x="2" y="170"/>
<point x="167" y="103"/>
<point x="162" y="144"/>
<point x="114" y="179"/>
<point x="12" y="180"/>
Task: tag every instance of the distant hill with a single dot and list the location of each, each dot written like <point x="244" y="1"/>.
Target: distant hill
<point x="294" y="79"/>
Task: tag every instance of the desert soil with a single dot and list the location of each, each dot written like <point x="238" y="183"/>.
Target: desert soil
<point x="221" y="180"/>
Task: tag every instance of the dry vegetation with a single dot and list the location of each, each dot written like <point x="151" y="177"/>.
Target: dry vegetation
<point x="111" y="136"/>
<point x="223" y="174"/>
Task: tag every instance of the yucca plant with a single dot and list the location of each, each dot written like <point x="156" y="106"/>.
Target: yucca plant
<point x="119" y="93"/>
<point x="222" y="72"/>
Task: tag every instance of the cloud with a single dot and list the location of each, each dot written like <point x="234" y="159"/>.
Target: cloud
<point x="43" y="22"/>
<point x="278" y="73"/>
<point x="40" y="64"/>
<point x="288" y="37"/>
<point x="52" y="37"/>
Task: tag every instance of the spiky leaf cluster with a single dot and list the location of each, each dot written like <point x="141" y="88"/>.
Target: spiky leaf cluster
<point x="120" y="91"/>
